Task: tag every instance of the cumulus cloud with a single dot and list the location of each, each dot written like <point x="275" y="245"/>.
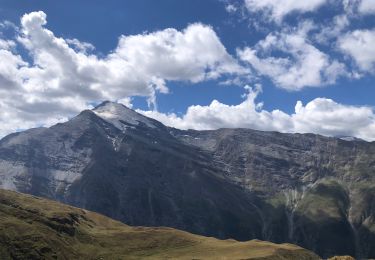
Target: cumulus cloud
<point x="301" y="63"/>
<point x="195" y="54"/>
<point x="321" y="115"/>
<point x="59" y="77"/>
<point x="367" y="7"/>
<point x="6" y="44"/>
<point x="80" y="46"/>
<point x="359" y="44"/>
<point x="216" y="115"/>
<point x="328" y="117"/>
<point x="277" y="10"/>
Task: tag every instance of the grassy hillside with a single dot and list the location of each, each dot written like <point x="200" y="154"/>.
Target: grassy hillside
<point x="35" y="228"/>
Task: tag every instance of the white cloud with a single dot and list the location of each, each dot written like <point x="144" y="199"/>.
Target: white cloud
<point x="300" y="65"/>
<point x="230" y="8"/>
<point x="195" y="54"/>
<point x="7" y="25"/>
<point x="367" y="7"/>
<point x="328" y="33"/>
<point x="80" y="46"/>
<point x="126" y="102"/>
<point x="327" y="117"/>
<point x="217" y="115"/>
<point x="321" y="116"/>
<point x="355" y="8"/>
<point x="63" y="75"/>
<point x="277" y="10"/>
<point x="6" y="44"/>
<point x="359" y="45"/>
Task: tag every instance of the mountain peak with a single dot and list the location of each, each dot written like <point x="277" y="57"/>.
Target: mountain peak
<point x="120" y="115"/>
<point x="107" y="104"/>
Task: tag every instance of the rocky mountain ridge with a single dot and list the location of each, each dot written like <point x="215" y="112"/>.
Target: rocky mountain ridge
<point x="316" y="191"/>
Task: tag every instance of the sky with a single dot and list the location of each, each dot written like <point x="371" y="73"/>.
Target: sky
<point x="288" y="66"/>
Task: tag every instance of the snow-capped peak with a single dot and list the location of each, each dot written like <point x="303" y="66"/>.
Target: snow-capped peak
<point x="349" y="138"/>
<point x="120" y="116"/>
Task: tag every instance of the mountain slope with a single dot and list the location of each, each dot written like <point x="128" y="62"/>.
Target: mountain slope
<point x="34" y="228"/>
<point x="321" y="189"/>
<point x="140" y="175"/>
<point x="315" y="191"/>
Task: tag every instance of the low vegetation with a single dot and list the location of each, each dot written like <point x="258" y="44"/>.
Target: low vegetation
<point x="35" y="228"/>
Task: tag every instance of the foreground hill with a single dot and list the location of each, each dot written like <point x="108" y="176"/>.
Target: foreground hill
<point x="314" y="191"/>
<point x="35" y="228"/>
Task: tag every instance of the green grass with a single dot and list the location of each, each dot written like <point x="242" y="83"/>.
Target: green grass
<point x="34" y="228"/>
<point x="328" y="199"/>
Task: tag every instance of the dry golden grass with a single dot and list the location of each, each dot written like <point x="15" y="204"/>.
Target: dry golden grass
<point x="346" y="257"/>
<point x="35" y="228"/>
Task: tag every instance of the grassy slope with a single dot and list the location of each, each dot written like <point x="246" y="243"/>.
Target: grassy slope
<point x="35" y="228"/>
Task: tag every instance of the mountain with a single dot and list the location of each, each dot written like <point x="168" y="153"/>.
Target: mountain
<point x="315" y="191"/>
<point x="35" y="228"/>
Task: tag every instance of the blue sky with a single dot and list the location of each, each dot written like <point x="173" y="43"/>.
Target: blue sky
<point x="319" y="53"/>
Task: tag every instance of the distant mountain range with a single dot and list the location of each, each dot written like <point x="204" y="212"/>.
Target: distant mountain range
<point x="314" y="191"/>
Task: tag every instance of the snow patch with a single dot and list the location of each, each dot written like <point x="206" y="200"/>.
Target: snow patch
<point x="65" y="176"/>
<point x="349" y="138"/>
<point x="114" y="113"/>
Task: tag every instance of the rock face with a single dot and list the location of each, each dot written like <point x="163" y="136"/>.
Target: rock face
<point x="315" y="191"/>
